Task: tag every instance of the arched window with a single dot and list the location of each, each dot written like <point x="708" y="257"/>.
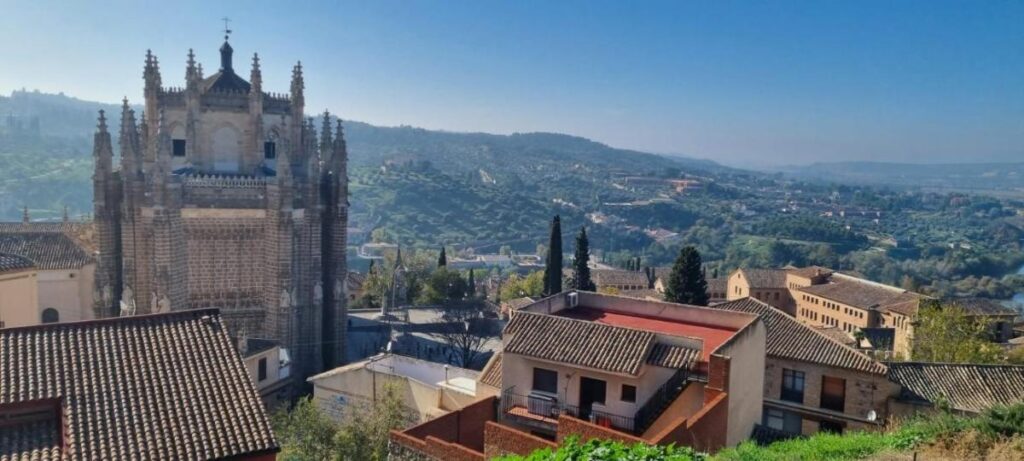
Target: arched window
<point x="50" y="315"/>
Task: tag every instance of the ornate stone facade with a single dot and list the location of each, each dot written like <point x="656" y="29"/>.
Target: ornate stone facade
<point x="226" y="197"/>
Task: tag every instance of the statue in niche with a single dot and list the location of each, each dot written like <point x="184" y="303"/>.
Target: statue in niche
<point x="318" y="293"/>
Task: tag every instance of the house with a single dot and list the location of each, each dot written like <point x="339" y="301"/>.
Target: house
<point x="428" y="389"/>
<point x="961" y="387"/>
<point x="65" y="270"/>
<point x="270" y="368"/>
<point x="999" y="318"/>
<point x="161" y="386"/>
<point x="515" y="304"/>
<point x="768" y="285"/>
<point x="19" y="302"/>
<point x="718" y="288"/>
<point x="814" y="381"/>
<point x="608" y="367"/>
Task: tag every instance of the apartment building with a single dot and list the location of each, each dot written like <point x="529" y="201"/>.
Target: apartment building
<point x="604" y="366"/>
<point x="768" y="285"/>
<point x="813" y="381"/>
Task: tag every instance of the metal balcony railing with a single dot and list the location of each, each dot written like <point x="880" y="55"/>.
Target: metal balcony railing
<point x="543" y="409"/>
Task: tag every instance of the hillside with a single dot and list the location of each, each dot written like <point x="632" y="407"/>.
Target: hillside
<point x="1005" y="177"/>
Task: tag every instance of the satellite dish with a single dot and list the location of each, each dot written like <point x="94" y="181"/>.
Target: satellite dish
<point x="872" y="416"/>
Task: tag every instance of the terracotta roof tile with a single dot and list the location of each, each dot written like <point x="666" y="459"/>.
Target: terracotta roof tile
<point x="491" y="374"/>
<point x="14" y="263"/>
<point x="981" y="306"/>
<point x="165" y="386"/>
<point x="669" y="356"/>
<point x="578" y="342"/>
<point x="48" y="250"/>
<point x="866" y="294"/>
<point x="789" y="339"/>
<point x="765" y="278"/>
<point x="966" y="387"/>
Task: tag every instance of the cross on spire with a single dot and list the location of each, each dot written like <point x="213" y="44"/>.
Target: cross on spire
<point x="227" y="32"/>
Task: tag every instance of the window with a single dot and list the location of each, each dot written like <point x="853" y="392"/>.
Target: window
<point x="269" y="150"/>
<point x="545" y="380"/>
<point x="50" y="315"/>
<point x="178" y="147"/>
<point x="628" y="393"/>
<point x="833" y="393"/>
<point x="262" y="373"/>
<point x="782" y="420"/>
<point x="793" y="385"/>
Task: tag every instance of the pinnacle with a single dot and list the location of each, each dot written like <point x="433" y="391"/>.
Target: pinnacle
<point x="102" y="126"/>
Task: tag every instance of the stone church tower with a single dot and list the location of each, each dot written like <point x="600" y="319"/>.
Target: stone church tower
<point x="226" y="197"/>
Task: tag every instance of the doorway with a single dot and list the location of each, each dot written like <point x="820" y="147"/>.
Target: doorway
<point x="591" y="391"/>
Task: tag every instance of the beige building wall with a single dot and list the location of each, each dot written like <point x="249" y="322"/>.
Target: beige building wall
<point x="517" y="371"/>
<point x="69" y="291"/>
<point x="745" y="352"/>
<point x="19" y="304"/>
<point x="864" y="391"/>
<point x="273" y="361"/>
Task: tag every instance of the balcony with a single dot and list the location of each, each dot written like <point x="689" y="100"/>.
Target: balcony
<point x="541" y="412"/>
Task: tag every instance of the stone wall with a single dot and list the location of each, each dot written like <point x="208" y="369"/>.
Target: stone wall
<point x="225" y="261"/>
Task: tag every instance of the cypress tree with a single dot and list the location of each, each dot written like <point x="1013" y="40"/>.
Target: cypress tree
<point x="553" y="268"/>
<point x="442" y="260"/>
<point x="581" y="263"/>
<point x="471" y="288"/>
<point x="686" y="284"/>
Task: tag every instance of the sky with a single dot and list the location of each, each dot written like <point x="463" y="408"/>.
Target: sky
<point x="753" y="83"/>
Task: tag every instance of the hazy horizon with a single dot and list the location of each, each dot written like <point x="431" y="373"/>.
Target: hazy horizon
<point x="755" y="85"/>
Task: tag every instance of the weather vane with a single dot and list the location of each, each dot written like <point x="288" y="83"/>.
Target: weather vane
<point x="227" y="31"/>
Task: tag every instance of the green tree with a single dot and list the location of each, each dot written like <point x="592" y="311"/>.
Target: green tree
<point x="553" y="268"/>
<point x="944" y="333"/>
<point x="517" y="286"/>
<point x="471" y="285"/>
<point x="442" y="259"/>
<point x="686" y="283"/>
<point x="581" y="263"/>
<point x="444" y="286"/>
<point x="307" y="433"/>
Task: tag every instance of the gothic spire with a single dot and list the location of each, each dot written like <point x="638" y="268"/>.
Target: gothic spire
<point x="151" y="73"/>
<point x="255" y="76"/>
<point x="24" y="215"/>
<point x="326" y="141"/>
<point x="191" y="72"/>
<point x="128" y="139"/>
<point x="297" y="82"/>
<point x="102" y="149"/>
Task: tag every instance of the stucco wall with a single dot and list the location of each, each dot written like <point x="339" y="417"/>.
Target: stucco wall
<point x="69" y="291"/>
<point x="517" y="371"/>
<point x="19" y="305"/>
<point x="745" y="352"/>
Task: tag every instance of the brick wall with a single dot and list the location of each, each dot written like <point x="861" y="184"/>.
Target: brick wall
<point x="568" y="426"/>
<point x="464" y="427"/>
<point x="704" y="431"/>
<point x="502" y="440"/>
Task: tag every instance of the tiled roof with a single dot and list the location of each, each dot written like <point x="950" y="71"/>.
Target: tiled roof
<point x="491" y="374"/>
<point x="518" y="303"/>
<point x="643" y="294"/>
<point x="965" y="387"/>
<point x="164" y="386"/>
<point x="577" y="342"/>
<point x="13" y="263"/>
<point x="810" y="271"/>
<point x="765" y="278"/>
<point x="669" y="356"/>
<point x="48" y="250"/>
<point x="865" y="294"/>
<point x="789" y="339"/>
<point x="837" y="334"/>
<point x="37" y="440"/>
<point x="604" y="277"/>
<point x="718" y="285"/>
<point x="981" y="306"/>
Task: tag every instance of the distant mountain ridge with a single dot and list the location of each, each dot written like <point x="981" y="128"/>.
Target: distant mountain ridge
<point x="966" y="176"/>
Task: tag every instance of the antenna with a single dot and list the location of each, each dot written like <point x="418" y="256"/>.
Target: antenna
<point x="227" y="32"/>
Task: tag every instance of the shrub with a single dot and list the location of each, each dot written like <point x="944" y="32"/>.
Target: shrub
<point x="609" y="450"/>
<point x="1006" y="421"/>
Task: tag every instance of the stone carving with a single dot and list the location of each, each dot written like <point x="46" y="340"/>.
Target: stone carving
<point x="127" y="302"/>
<point x="164" y="305"/>
<point x="286" y="299"/>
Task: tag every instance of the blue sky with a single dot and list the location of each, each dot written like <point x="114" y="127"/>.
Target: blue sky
<point x="750" y="83"/>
